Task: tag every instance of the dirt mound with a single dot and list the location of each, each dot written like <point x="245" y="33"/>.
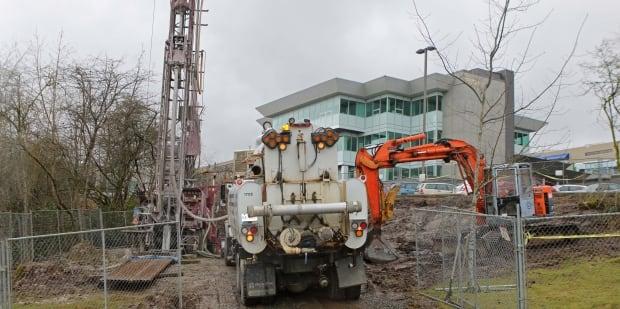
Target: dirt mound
<point x="45" y="279"/>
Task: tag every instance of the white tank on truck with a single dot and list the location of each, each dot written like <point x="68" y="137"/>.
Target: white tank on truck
<point x="292" y="225"/>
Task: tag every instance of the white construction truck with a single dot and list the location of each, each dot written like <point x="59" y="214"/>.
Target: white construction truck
<point x="293" y="225"/>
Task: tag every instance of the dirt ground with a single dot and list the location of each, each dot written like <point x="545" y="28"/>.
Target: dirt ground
<point x="208" y="283"/>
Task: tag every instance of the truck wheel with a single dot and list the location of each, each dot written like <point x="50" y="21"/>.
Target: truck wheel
<point x="353" y="292"/>
<point x="336" y="293"/>
<point x="229" y="258"/>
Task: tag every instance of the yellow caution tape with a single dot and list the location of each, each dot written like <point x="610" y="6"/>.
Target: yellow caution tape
<point x="529" y="236"/>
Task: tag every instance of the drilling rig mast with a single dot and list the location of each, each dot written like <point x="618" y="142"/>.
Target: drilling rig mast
<point x="178" y="144"/>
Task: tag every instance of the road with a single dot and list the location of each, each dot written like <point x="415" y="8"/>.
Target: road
<point x="212" y="284"/>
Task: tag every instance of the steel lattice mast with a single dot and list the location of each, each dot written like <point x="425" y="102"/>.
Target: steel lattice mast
<point x="179" y="125"/>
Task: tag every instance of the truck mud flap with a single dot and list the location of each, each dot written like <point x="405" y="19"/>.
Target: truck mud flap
<point x="349" y="273"/>
<point x="260" y="280"/>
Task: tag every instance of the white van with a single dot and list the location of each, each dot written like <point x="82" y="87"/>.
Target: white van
<point x="435" y="188"/>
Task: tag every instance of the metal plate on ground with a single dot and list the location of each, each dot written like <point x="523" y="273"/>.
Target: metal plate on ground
<point x="139" y="270"/>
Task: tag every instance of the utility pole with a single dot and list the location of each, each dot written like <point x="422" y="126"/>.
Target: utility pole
<point x="425" y="99"/>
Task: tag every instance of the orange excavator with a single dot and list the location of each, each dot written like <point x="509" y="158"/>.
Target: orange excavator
<point x="510" y="186"/>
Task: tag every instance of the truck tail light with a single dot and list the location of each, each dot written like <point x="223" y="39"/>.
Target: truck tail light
<point x="363" y="225"/>
<point x="359" y="232"/>
<point x="249" y="237"/>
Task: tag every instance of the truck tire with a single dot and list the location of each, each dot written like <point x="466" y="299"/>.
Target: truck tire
<point x="336" y="293"/>
<point x="229" y="258"/>
<point x="353" y="292"/>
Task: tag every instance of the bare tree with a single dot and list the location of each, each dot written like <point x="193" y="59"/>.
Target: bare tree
<point x="73" y="131"/>
<point x="602" y="78"/>
<point x="492" y="37"/>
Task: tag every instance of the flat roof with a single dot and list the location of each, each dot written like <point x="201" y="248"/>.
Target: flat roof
<point x="528" y="124"/>
<point x="364" y="91"/>
<point x="436" y="82"/>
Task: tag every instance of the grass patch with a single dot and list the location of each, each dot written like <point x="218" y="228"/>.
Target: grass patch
<point x="578" y="284"/>
<point x="88" y="302"/>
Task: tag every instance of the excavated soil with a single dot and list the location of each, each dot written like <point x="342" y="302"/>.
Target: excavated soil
<point x="208" y="283"/>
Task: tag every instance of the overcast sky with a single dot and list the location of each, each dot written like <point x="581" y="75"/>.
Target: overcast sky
<point x="259" y="51"/>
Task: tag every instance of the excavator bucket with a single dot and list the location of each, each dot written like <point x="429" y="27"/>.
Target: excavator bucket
<point x="378" y="251"/>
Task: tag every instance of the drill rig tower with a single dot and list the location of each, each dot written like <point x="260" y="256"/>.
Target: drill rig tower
<point x="178" y="145"/>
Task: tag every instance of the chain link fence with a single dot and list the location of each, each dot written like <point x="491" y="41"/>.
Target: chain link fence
<point x="573" y="260"/>
<point x="464" y="259"/>
<point x="100" y="268"/>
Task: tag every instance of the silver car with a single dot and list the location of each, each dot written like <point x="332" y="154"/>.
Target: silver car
<point x="569" y="188"/>
<point x="604" y="187"/>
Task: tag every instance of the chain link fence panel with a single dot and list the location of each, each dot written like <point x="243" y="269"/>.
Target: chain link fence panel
<point x="465" y="259"/>
<point x="101" y="268"/>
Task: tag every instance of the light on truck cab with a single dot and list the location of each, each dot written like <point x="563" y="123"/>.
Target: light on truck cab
<point x="272" y="139"/>
<point x="326" y="136"/>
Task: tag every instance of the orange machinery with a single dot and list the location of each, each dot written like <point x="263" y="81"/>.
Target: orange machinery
<point x="505" y="189"/>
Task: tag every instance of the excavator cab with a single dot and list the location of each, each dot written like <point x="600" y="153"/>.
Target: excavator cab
<point x="512" y="188"/>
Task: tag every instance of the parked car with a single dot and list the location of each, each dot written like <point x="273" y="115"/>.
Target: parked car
<point x="460" y="189"/>
<point x="408" y="188"/>
<point x="604" y="187"/>
<point x="435" y="188"/>
<point x="569" y="188"/>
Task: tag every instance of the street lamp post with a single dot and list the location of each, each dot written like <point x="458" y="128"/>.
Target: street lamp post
<point x="424" y="102"/>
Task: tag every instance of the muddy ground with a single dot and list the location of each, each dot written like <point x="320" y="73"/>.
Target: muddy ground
<point x="208" y="283"/>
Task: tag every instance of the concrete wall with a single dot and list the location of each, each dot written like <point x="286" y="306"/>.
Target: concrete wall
<point x="462" y="112"/>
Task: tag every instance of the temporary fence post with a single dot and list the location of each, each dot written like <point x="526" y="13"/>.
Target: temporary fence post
<point x="105" y="271"/>
<point x="417" y="249"/>
<point x="520" y="261"/>
<point x="179" y="256"/>
<point x="58" y="231"/>
<point x="31" y="233"/>
<point x="9" y="266"/>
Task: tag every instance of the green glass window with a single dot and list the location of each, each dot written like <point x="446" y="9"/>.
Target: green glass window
<point x="416" y="107"/>
<point x="439" y="102"/>
<point x="383" y="105"/>
<point x="407" y="108"/>
<point x="439" y="134"/>
<point x="367" y="140"/>
<point x="404" y="173"/>
<point x="352" y="108"/>
<point x="368" y="109"/>
<point x="344" y="106"/>
<point x="376" y="107"/>
<point x="399" y="106"/>
<point x="361" y="109"/>
<point x="430" y="136"/>
<point x="390" y="174"/>
<point x="432" y="103"/>
<point x="391" y="105"/>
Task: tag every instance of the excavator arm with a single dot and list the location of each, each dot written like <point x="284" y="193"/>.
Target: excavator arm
<point x="391" y="153"/>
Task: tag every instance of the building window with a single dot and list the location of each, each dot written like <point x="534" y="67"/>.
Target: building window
<point x="407" y="108"/>
<point x="352" y="108"/>
<point x="432" y="104"/>
<point x="522" y="139"/>
<point x="416" y="107"/>
<point x="383" y="105"/>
